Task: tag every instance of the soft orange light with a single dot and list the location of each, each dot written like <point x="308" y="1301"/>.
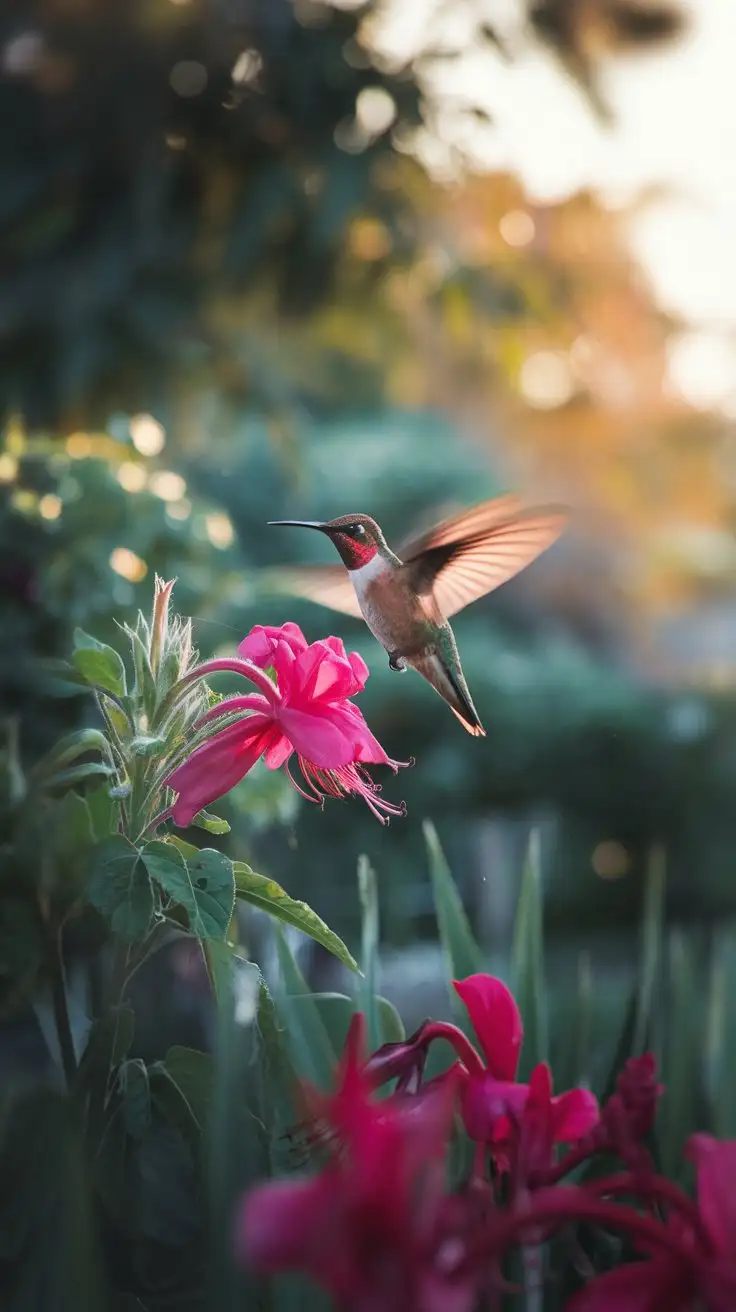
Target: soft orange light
<point x="610" y="860"/>
<point x="128" y="565"/>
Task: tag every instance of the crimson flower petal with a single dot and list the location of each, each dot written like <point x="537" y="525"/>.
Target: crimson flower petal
<point x="217" y="766"/>
<point x="574" y="1114"/>
<point x="496" y="1021"/>
<point x="281" y="1225"/>
<point x="650" y="1286"/>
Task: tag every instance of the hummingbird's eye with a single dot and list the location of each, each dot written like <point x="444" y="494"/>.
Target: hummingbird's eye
<point x="358" y="530"/>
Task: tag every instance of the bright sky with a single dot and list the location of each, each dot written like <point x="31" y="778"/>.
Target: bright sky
<point x="675" y="127"/>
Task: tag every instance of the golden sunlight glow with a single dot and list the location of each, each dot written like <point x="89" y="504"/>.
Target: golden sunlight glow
<point x="167" y="485"/>
<point x="147" y="434"/>
<point x="369" y="239"/>
<point x="132" y="477"/>
<point x="375" y="110"/>
<point x="128" y="565"/>
<point x="517" y="228"/>
<point x="79" y="446"/>
<point x="702" y="368"/>
<point x="246" y="67"/>
<point x="610" y="860"/>
<point x="50" y="506"/>
<point x="220" y="530"/>
<point x="546" y="379"/>
<point x="8" y="467"/>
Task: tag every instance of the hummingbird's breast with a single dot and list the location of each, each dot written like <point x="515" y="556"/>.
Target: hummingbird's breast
<point x="390" y="607"/>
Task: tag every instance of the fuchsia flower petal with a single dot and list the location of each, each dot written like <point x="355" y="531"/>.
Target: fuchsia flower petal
<point x="261" y="643"/>
<point x="315" y="738"/>
<point x="715" y="1164"/>
<point x="217" y="766"/>
<point x="496" y="1021"/>
<point x="656" y="1285"/>
<point x="574" y="1114"/>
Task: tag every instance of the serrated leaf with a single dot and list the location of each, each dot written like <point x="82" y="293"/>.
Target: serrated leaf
<point x="136" y="1097"/>
<point x="269" y="896"/>
<point x="204" y="887"/>
<point x="463" y="956"/>
<point x="211" y="823"/>
<point x="102" y="667"/>
<point x="145" y="745"/>
<point x="120" y="889"/>
<point x="527" y="962"/>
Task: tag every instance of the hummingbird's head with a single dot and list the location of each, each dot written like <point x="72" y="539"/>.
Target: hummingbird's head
<point x="358" y="538"/>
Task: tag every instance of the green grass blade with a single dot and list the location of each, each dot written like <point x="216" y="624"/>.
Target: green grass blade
<point x="463" y="955"/>
<point x="682" y="1063"/>
<point x="307" y="1039"/>
<point x="651" y="950"/>
<point x="367" y="1000"/>
<point x="527" y="962"/>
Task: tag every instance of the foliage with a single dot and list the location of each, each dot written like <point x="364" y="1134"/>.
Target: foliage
<point x="163" y="1147"/>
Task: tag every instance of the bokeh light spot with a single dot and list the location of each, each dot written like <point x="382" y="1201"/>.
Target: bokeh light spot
<point x="50" y="506"/>
<point x="132" y="477"/>
<point x="167" y="485"/>
<point x="8" y="467"/>
<point x="610" y="860"/>
<point x="546" y="379"/>
<point x="375" y="110"/>
<point x="147" y="434"/>
<point x="517" y="228"/>
<point x="220" y="530"/>
<point x="129" y="566"/>
<point x="188" y="78"/>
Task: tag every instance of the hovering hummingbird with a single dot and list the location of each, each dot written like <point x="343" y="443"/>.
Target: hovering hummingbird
<point x="407" y="600"/>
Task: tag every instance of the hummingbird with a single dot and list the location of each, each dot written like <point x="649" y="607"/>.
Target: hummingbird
<point x="407" y="600"/>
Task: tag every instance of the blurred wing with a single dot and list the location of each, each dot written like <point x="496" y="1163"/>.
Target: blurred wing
<point x="328" y="585"/>
<point x="471" y="554"/>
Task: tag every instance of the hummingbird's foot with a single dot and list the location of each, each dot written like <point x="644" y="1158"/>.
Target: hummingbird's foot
<point x="396" y="662"/>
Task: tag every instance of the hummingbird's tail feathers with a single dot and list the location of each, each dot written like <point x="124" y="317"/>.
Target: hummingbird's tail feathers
<point x="450" y="688"/>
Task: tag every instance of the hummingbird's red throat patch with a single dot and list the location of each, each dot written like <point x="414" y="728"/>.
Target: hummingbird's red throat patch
<point x="354" y="553"/>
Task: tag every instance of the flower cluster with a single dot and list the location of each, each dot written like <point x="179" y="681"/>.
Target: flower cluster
<point x="379" y="1228"/>
<point x="301" y="707"/>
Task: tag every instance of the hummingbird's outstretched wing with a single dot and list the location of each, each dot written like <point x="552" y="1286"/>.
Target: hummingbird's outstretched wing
<point x="328" y="585"/>
<point x="467" y="556"/>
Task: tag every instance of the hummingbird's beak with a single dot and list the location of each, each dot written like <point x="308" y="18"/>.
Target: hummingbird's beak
<point x="297" y="523"/>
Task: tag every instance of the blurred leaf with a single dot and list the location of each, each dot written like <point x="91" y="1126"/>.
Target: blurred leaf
<point x="109" y="1043"/>
<point x="369" y="951"/>
<point x="527" y="962"/>
<point x="651" y="949"/>
<point x="120" y="889"/>
<point x="203" y="887"/>
<point x="306" y="1034"/>
<point x="681" y="1069"/>
<point x="463" y="956"/>
<point x="104" y="812"/>
<point x="136" y="1094"/>
<point x="193" y="1074"/>
<point x="267" y="895"/>
<point x="145" y="745"/>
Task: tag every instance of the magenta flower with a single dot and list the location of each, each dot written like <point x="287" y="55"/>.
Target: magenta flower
<point x="498" y="1111"/>
<point x="375" y="1227"/>
<point x="306" y="711"/>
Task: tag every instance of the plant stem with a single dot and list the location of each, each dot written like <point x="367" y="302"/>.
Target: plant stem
<point x="61" y="1009"/>
<point x="532" y="1259"/>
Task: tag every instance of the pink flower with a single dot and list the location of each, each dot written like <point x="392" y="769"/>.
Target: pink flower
<point x="498" y="1111"/>
<point x="375" y="1227"/>
<point x="306" y="711"/>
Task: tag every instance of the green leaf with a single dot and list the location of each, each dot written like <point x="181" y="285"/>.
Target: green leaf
<point x="101" y="666"/>
<point x="108" y="1044"/>
<point x="104" y="812"/>
<point x="136" y="1094"/>
<point x="527" y="962"/>
<point x="369" y="950"/>
<point x="79" y="774"/>
<point x="145" y="745"/>
<point x="187" y="850"/>
<point x="204" y="887"/>
<point x="145" y="684"/>
<point x="306" y="1035"/>
<point x="269" y="896"/>
<point x="211" y="823"/>
<point x="68" y="749"/>
<point x="120" y="889"/>
<point x="463" y="956"/>
<point x="193" y="1074"/>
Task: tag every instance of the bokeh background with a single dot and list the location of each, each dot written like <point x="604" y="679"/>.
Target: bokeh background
<point x="267" y="259"/>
